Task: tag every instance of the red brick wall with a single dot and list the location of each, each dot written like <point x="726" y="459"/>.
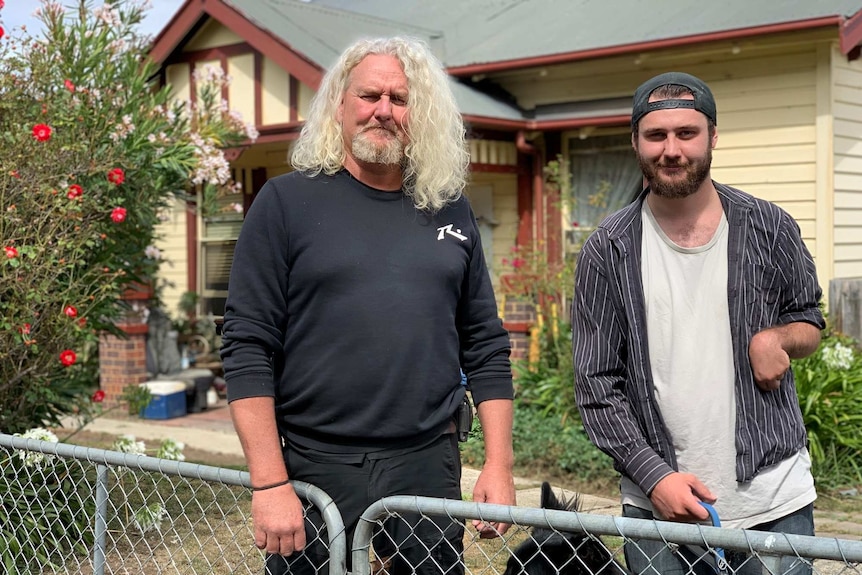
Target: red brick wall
<point x="518" y="318"/>
<point x="122" y="361"/>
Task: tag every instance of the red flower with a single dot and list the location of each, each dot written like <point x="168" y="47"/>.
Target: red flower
<point x="68" y="357"/>
<point x="24" y="329"/>
<point x="118" y="215"/>
<point x="99" y="396"/>
<point x="2" y="4"/>
<point x="11" y="252"/>
<point x="75" y="191"/>
<point x="518" y="263"/>
<point x="70" y="311"/>
<point x="116" y="176"/>
<point x="42" y="132"/>
<point x="2" y="31"/>
<point x="15" y="174"/>
<point x="82" y="321"/>
<point x="69" y="85"/>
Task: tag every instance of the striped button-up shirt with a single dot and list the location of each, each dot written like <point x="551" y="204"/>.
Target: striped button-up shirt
<point x="771" y="281"/>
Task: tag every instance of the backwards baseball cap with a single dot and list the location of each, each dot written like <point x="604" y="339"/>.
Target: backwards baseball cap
<point x="703" y="100"/>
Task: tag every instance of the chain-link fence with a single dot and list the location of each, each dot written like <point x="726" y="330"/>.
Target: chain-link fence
<point x="76" y="510"/>
<point x="68" y="509"/>
<point x="544" y="541"/>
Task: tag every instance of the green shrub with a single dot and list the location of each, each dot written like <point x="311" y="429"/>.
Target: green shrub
<point x="94" y="152"/>
<point x="829" y="387"/>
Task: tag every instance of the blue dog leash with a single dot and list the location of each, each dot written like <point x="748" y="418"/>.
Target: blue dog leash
<point x="720" y="560"/>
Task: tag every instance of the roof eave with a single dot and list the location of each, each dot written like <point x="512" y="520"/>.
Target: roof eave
<point x="851" y="35"/>
<point x="547" y="125"/>
<point x="172" y="35"/>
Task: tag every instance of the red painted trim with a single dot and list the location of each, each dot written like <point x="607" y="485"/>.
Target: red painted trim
<point x="258" y="89"/>
<point x="293" y="91"/>
<point x="217" y="53"/>
<point x="272" y="47"/>
<point x="607" y="51"/>
<point x="134" y="328"/>
<point x="517" y="326"/>
<point x="548" y="125"/>
<point x="277" y="137"/>
<point x="851" y="33"/>
<point x="525" y="201"/>
<point x="493" y="168"/>
<point x="192" y="247"/>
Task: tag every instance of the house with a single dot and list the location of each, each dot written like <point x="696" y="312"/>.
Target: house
<point x="542" y="79"/>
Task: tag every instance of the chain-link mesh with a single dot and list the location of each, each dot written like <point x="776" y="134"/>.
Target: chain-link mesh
<point x="74" y="510"/>
<point x="543" y="541"/>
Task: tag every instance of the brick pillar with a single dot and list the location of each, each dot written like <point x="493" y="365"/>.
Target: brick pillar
<point x="518" y="317"/>
<point x="123" y="360"/>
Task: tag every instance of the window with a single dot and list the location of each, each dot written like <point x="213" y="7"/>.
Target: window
<point x="605" y="177"/>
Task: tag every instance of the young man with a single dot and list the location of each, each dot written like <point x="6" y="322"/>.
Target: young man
<point x="689" y="305"/>
<point x="358" y="291"/>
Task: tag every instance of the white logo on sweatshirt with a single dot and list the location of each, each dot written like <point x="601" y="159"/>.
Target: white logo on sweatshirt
<point x="447" y="229"/>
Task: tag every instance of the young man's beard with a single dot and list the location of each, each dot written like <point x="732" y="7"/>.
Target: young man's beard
<point x="366" y="150"/>
<point x="696" y="171"/>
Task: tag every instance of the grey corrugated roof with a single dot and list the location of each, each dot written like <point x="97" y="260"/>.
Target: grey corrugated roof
<point x="318" y="32"/>
<point x="482" y="31"/>
<point x="465" y="32"/>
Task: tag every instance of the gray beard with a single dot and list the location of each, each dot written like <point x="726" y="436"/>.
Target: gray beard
<point x="364" y="150"/>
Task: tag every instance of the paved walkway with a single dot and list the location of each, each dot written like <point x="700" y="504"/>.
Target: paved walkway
<point x="212" y="431"/>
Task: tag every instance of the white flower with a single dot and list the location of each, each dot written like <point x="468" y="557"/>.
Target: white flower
<point x="237" y="207"/>
<point x="153" y="252"/>
<point x="33" y="458"/>
<point x="838" y="356"/>
<point x="150" y="517"/>
<point x="128" y="444"/>
<point x="171" y="449"/>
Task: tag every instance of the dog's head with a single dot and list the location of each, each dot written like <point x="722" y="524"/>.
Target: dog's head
<point x="551" y="552"/>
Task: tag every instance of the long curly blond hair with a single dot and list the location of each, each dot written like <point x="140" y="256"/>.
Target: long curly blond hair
<point x="436" y="160"/>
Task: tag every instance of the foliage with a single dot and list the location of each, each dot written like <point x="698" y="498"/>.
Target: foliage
<point x="545" y="281"/>
<point x="27" y="481"/>
<point x="829" y="387"/>
<point x="94" y="152"/>
<point x="547" y="447"/>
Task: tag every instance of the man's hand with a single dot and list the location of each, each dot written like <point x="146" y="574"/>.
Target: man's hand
<point x="769" y="361"/>
<point x="677" y="497"/>
<point x="279" y="526"/>
<point x="495" y="485"/>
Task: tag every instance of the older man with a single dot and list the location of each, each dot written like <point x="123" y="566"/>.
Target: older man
<point x="358" y="291"/>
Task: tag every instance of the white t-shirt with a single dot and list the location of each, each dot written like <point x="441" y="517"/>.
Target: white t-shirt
<point x="691" y="356"/>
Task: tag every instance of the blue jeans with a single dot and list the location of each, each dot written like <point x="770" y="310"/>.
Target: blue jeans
<point x="647" y="557"/>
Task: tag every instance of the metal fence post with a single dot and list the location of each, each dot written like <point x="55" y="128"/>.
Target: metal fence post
<point x="101" y="523"/>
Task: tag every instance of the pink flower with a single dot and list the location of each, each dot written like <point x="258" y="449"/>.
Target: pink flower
<point x="2" y="32"/>
<point x="2" y="4"/>
<point x="118" y="215"/>
<point x="11" y="252"/>
<point x="75" y="191"/>
<point x="99" y="396"/>
<point x="42" y="132"/>
<point x="116" y="176"/>
<point x="68" y="357"/>
<point x="70" y="311"/>
<point x="69" y="85"/>
<point x="518" y="263"/>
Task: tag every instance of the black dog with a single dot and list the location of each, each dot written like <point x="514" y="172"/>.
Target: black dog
<point x="549" y="552"/>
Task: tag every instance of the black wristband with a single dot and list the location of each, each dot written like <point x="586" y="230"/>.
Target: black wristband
<point x="270" y="486"/>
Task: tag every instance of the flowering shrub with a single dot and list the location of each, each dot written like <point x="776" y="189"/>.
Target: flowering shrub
<point x="94" y="151"/>
<point x="829" y="387"/>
